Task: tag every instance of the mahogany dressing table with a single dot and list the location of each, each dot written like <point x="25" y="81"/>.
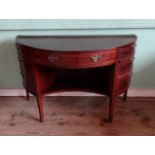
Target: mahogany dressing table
<point x="100" y="64"/>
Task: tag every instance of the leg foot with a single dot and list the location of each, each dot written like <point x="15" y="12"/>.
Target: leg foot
<point x="27" y="95"/>
<point x="40" y="107"/>
<point x="111" y="108"/>
<point x="110" y="119"/>
<point x="125" y="96"/>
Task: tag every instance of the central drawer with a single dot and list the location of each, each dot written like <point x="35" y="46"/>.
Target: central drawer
<point x="75" y="59"/>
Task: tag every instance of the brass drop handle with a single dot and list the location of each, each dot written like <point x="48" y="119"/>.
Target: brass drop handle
<point x="53" y="58"/>
<point x="95" y="58"/>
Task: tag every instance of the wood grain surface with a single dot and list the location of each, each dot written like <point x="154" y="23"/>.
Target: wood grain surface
<point x="77" y="116"/>
<point x="108" y="56"/>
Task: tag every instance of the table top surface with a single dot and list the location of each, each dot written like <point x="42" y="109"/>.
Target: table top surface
<point x="75" y="43"/>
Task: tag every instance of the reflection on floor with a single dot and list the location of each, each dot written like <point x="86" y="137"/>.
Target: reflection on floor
<point x="77" y="116"/>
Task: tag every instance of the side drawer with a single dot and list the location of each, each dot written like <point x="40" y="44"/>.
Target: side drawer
<point x="123" y="83"/>
<point x="126" y="52"/>
<point x="125" y="67"/>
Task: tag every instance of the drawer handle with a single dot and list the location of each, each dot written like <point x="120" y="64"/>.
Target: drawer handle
<point x="95" y="58"/>
<point x="53" y="58"/>
<point x="133" y="58"/>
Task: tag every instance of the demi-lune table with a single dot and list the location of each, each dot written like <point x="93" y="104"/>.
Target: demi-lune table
<point x="100" y="64"/>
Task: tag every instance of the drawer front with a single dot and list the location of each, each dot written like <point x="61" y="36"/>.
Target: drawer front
<point x="125" y="67"/>
<point x="75" y="59"/>
<point x="126" y="52"/>
<point x="123" y="83"/>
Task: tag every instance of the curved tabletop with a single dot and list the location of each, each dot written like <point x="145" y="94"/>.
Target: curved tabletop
<point x="75" y="43"/>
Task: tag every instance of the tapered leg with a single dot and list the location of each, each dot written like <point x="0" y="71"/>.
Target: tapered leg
<point x="40" y="106"/>
<point x="27" y="95"/>
<point x="111" y="108"/>
<point x="125" y="96"/>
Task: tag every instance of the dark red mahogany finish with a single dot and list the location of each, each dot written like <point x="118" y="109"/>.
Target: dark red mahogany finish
<point x="100" y="64"/>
